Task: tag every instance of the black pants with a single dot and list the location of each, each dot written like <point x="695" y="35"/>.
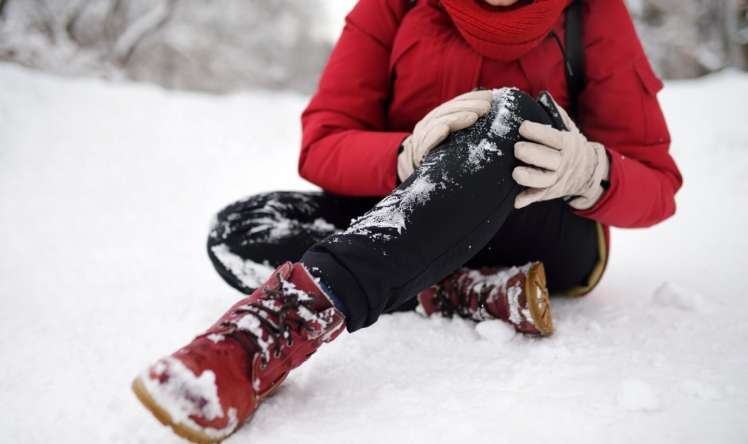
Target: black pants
<point x="456" y="210"/>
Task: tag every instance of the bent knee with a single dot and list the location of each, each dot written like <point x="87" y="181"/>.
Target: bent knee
<point x="511" y="107"/>
<point x="489" y="143"/>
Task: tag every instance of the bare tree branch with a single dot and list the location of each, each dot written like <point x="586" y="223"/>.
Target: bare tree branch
<point x="145" y="24"/>
<point x="47" y="23"/>
<point x="112" y="26"/>
<point x="72" y="19"/>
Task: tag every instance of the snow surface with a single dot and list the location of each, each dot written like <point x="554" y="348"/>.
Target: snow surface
<point x="106" y="195"/>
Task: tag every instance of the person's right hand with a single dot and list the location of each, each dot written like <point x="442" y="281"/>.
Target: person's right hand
<point x="452" y="115"/>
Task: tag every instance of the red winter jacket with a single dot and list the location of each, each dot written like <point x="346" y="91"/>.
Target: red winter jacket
<point x="390" y="68"/>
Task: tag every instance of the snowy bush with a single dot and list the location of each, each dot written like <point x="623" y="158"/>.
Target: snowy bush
<point x="690" y="38"/>
<point x="212" y="45"/>
<point x="224" y="45"/>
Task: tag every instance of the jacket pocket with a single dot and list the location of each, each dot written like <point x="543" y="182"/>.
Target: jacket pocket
<point x="655" y="126"/>
<point x="415" y="77"/>
<point x="399" y="50"/>
<point x="652" y="84"/>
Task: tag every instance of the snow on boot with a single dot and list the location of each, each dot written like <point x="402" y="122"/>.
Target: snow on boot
<point x="516" y="295"/>
<point x="206" y="390"/>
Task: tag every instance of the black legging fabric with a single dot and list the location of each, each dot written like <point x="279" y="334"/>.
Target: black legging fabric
<point x="455" y="210"/>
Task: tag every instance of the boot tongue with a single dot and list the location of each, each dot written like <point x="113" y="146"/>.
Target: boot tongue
<point x="302" y="284"/>
<point x="291" y="293"/>
<point x="321" y="316"/>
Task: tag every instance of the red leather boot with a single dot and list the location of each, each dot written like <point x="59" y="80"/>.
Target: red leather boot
<point x="206" y="390"/>
<point x="516" y="295"/>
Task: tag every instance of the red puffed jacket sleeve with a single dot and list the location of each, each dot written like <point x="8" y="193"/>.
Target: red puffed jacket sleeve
<point x="619" y="108"/>
<point x="344" y="136"/>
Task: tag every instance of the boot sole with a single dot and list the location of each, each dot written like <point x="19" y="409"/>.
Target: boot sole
<point x="165" y="418"/>
<point x="538" y="299"/>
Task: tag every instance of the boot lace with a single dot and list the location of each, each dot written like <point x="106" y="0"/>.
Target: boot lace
<point x="282" y="310"/>
<point x="463" y="297"/>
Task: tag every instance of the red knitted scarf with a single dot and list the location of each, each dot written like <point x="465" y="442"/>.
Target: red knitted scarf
<point x="504" y="33"/>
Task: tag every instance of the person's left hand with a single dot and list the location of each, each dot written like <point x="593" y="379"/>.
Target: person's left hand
<point x="561" y="164"/>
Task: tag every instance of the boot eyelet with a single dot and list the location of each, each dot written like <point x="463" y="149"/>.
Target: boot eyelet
<point x="263" y="363"/>
<point x="289" y="341"/>
<point x="277" y="354"/>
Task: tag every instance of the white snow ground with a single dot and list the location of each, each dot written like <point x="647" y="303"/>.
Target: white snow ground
<point x="106" y="193"/>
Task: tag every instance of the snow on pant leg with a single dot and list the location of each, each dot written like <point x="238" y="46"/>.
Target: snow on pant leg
<point x="434" y="222"/>
<point x="550" y="232"/>
<point x="251" y="237"/>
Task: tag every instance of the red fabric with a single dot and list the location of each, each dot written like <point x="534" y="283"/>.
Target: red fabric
<point x="390" y="68"/>
<point x="504" y="33"/>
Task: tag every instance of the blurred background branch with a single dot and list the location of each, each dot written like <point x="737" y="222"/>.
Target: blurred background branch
<point x="214" y="45"/>
<point x="227" y="45"/>
<point x="690" y="38"/>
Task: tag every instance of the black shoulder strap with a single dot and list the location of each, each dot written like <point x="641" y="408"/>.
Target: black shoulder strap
<point x="574" y="53"/>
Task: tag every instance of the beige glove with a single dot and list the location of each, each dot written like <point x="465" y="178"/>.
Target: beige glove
<point x="563" y="163"/>
<point x="452" y="115"/>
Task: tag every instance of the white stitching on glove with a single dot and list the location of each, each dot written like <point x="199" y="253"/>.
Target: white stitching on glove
<point x="562" y="163"/>
<point x="452" y="115"/>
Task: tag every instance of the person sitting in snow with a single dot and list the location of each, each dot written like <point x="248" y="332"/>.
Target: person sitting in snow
<point x="464" y="190"/>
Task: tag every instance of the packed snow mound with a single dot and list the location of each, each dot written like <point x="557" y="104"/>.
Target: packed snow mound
<point x="495" y="332"/>
<point x="107" y="191"/>
<point x="636" y="395"/>
<point x="672" y="295"/>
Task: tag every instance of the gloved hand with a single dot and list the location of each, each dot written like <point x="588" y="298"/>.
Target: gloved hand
<point x="562" y="164"/>
<point x="452" y="115"/>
